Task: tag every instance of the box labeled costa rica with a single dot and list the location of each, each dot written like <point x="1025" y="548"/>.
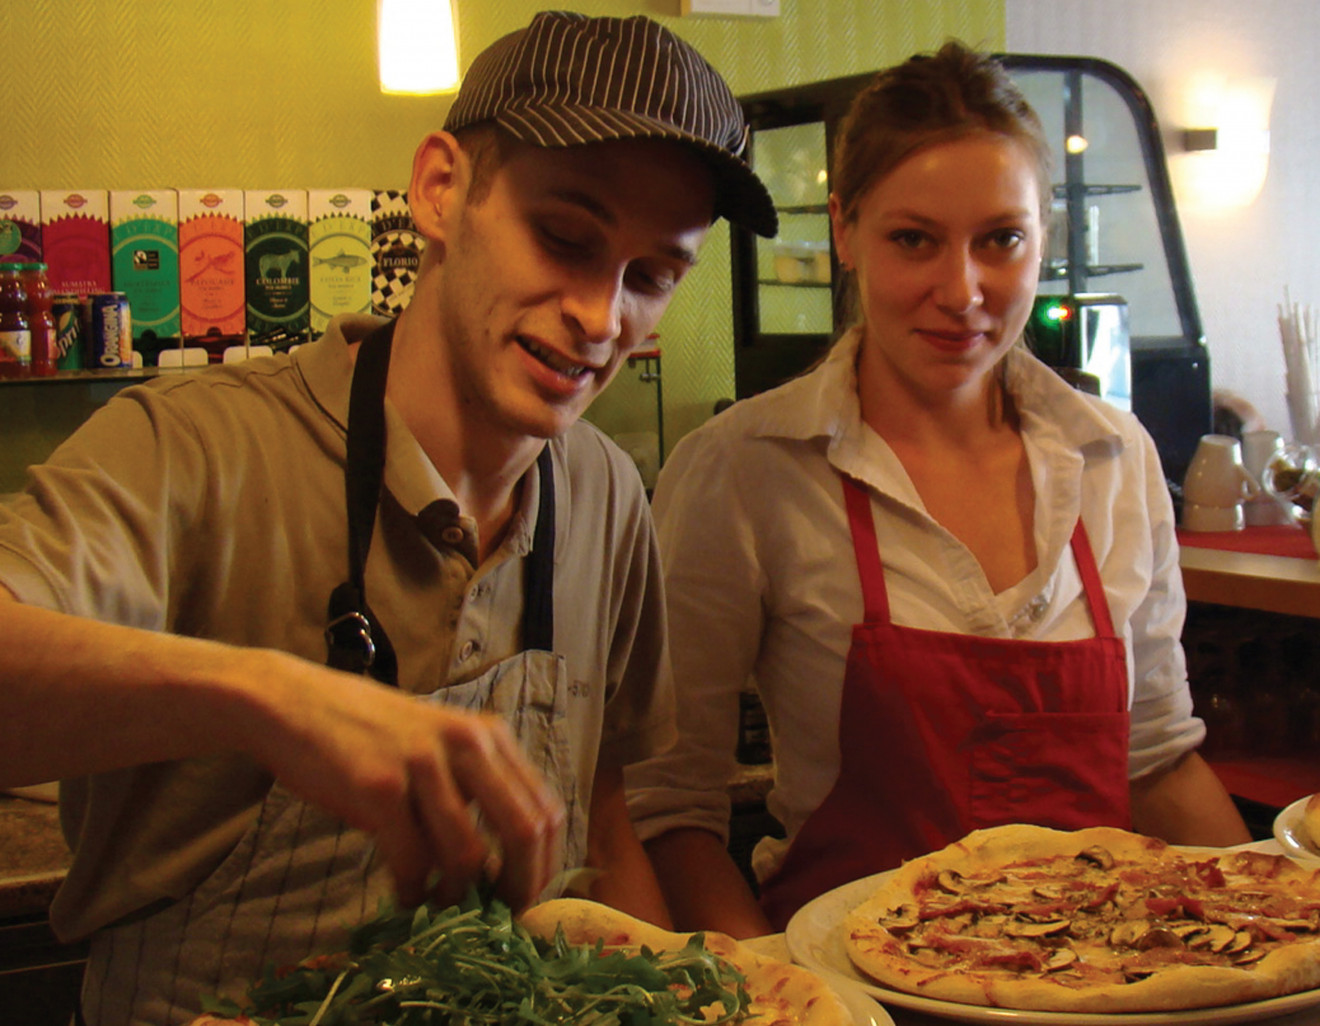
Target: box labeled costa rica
<point x="144" y="259"/>
<point x="339" y="243"/>
<point x="275" y="248"/>
<point x="396" y="250"/>
<point x="75" y="240"/>
<point x="211" y="284"/>
<point x="20" y="224"/>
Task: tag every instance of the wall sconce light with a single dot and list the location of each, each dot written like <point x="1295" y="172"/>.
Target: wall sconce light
<point x="417" y="44"/>
<point x="1223" y="165"/>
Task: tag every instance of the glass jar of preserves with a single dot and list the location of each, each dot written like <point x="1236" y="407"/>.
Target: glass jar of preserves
<point x="41" y="319"/>
<point x="15" y="333"/>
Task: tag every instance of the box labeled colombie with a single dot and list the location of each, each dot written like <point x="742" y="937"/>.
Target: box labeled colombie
<point x="339" y="243"/>
<point x="144" y="258"/>
<point x="275" y="245"/>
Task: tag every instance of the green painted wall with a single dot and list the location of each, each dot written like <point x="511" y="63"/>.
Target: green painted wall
<point x="253" y="94"/>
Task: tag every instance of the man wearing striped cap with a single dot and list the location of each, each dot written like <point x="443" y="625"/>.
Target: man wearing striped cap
<point x="379" y="615"/>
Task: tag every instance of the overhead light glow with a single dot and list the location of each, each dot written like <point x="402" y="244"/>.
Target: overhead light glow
<point x="417" y="46"/>
<point x="1076" y="143"/>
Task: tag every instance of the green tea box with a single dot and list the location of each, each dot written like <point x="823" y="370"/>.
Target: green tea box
<point x="275" y="245"/>
<point x="211" y="283"/>
<point x="75" y="240"/>
<point x="20" y="224"/>
<point x="339" y="243"/>
<point x="396" y="250"/>
<point x="144" y="259"/>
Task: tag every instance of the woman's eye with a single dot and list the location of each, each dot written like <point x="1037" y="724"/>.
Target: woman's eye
<point x="907" y="238"/>
<point x="1007" y="238"/>
<point x="563" y="242"/>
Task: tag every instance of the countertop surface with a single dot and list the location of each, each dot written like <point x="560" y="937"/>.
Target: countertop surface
<point x="33" y="856"/>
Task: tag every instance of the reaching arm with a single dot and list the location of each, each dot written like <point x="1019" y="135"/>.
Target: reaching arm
<point x="703" y="886"/>
<point x="1187" y="804"/>
<point x="626" y="880"/>
<point x="405" y="772"/>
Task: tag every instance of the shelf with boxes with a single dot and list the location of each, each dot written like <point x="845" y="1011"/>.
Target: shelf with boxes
<point x="214" y="268"/>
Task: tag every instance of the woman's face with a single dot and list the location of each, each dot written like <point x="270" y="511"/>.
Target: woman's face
<point x="947" y="251"/>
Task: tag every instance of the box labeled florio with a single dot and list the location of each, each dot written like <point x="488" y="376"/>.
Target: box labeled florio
<point x="75" y="240"/>
<point x="20" y="224"/>
<point x="144" y="257"/>
<point x="396" y="250"/>
<point x="339" y="243"/>
<point x="275" y="242"/>
<point x="211" y="284"/>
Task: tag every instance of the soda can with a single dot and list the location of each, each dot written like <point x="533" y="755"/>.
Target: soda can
<point x="70" y="334"/>
<point x="111" y="336"/>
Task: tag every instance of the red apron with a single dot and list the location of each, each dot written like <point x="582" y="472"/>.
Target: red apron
<point x="941" y="734"/>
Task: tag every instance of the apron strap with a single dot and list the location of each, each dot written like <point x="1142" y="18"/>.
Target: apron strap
<point x="356" y="641"/>
<point x="875" y="598"/>
<point x="538" y="628"/>
<point x="1091" y="584"/>
<point x="355" y="638"/>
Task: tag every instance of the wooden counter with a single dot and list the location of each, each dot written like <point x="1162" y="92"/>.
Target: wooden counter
<point x="1247" y="580"/>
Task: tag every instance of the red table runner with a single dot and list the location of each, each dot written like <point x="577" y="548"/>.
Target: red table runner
<point x="1289" y="540"/>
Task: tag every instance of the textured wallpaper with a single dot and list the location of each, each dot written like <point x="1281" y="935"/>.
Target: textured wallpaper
<point x="250" y="94"/>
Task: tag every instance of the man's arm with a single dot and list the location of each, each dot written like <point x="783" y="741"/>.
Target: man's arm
<point x="1187" y="804"/>
<point x="78" y="697"/>
<point x="625" y="877"/>
<point x="704" y="888"/>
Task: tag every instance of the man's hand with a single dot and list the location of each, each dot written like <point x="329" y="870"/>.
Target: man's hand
<point x="413" y="774"/>
<point x="416" y="776"/>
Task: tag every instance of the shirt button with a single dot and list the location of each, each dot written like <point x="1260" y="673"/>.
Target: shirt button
<point x="465" y="653"/>
<point x="452" y="535"/>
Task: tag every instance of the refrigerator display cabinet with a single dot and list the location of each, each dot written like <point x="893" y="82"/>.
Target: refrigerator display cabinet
<point x="1114" y="229"/>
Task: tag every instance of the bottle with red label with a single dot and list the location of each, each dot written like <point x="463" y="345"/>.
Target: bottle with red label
<point x="15" y="332"/>
<point x="41" y="318"/>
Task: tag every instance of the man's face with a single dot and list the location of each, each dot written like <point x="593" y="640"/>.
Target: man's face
<point x="561" y="270"/>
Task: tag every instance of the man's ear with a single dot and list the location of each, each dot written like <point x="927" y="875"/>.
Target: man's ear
<point x="441" y="173"/>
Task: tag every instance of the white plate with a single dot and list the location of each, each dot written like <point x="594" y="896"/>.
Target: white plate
<point x="815" y="939"/>
<point x="1291" y="832"/>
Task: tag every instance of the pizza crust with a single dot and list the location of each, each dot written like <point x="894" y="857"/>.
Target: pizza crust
<point x="883" y="955"/>
<point x="781" y="994"/>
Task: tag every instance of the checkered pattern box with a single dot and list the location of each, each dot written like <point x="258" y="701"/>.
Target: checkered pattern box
<point x="396" y="250"/>
<point x="339" y="244"/>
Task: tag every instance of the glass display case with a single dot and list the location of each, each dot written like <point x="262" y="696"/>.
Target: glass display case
<point x="1114" y="230"/>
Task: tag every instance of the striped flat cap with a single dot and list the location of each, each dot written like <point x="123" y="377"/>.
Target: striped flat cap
<point x="568" y="79"/>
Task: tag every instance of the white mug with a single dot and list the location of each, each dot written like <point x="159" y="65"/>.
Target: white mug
<point x="1263" y="510"/>
<point x="1216" y="476"/>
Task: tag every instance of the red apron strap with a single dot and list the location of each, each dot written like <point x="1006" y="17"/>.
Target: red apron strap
<point x="867" y="549"/>
<point x="1090" y="574"/>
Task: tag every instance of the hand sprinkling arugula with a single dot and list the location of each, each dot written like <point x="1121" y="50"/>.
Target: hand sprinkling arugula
<point x="473" y="964"/>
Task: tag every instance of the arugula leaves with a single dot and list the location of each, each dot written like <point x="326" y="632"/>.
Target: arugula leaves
<point x="474" y="965"/>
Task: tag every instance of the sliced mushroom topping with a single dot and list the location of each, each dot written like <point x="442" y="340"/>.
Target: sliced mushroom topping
<point x="1248" y="957"/>
<point x="950" y="880"/>
<point x="1097" y="856"/>
<point x="1043" y="928"/>
<point x="1060" y="958"/>
<point x="1191" y="933"/>
<point x="1296" y="925"/>
<point x="1241" y="941"/>
<point x="1136" y="975"/>
<point x="1048" y="892"/>
<point x="1126" y="933"/>
<point x="1158" y="937"/>
<point x="1216" y="937"/>
<point x="898" y="919"/>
